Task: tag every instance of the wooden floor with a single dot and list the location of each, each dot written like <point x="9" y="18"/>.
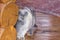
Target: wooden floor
<point x="48" y="28"/>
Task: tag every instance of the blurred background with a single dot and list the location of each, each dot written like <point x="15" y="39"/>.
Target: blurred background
<point x="47" y="18"/>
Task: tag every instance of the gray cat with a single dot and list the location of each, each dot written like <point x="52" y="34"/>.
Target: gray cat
<point x="25" y="22"/>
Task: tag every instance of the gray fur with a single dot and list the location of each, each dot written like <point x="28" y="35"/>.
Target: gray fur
<point x="26" y="21"/>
